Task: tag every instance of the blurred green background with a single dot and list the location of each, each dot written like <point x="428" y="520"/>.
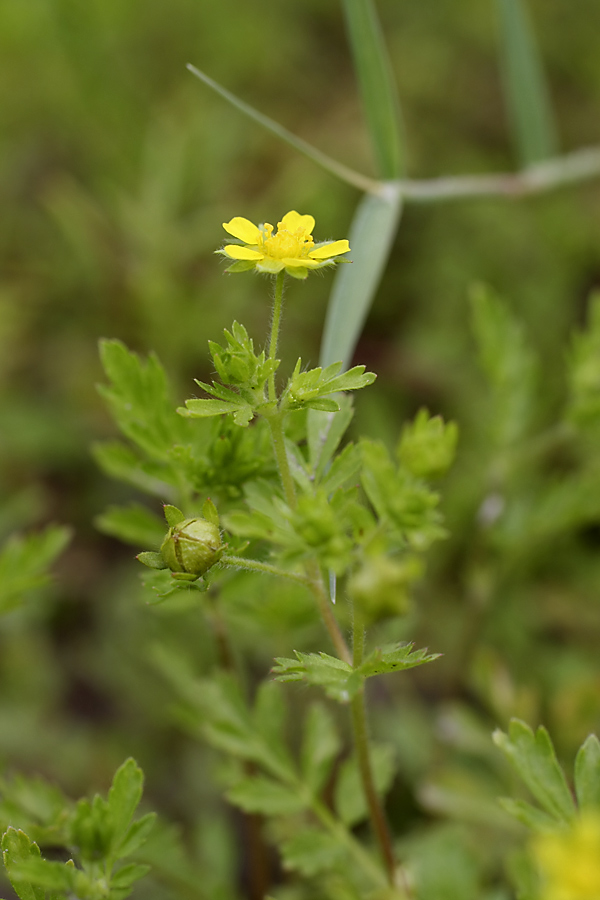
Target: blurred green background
<point x="117" y="168"/>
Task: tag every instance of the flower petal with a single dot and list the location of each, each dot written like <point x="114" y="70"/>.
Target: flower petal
<point x="327" y="250"/>
<point x="243" y="229"/>
<point x="293" y="221"/>
<point x="236" y="251"/>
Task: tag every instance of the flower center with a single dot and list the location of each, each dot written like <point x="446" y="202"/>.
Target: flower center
<point x="286" y="244"/>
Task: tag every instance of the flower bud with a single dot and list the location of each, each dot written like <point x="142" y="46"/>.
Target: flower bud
<point x="192" y="546"/>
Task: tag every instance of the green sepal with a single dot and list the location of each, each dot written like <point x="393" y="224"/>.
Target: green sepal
<point x="152" y="560"/>
<point x="297" y="272"/>
<point x="209" y="512"/>
<point x="242" y="265"/>
<point x="173" y="515"/>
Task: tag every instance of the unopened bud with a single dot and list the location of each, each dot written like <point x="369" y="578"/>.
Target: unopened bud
<point x="192" y="546"/>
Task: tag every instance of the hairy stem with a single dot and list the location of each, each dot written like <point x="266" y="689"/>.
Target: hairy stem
<point x="275" y="322"/>
<point x="255" y="565"/>
<point x="363" y="755"/>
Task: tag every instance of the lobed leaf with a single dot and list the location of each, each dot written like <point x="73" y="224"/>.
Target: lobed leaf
<point x="262" y="795"/>
<point x="534" y="758"/>
<point x="320" y="747"/>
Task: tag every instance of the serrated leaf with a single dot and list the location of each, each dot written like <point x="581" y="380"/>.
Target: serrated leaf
<point x="534" y="758"/>
<point x="587" y="774"/>
<point x="338" y="679"/>
<point x="350" y="803"/>
<point x="394" y="658"/>
<point x="134" y="524"/>
<point x="509" y="364"/>
<point x="320" y="746"/>
<point x="265" y="796"/>
<point x="525" y="88"/>
<point x="25" y="560"/>
<point x="312" y="851"/>
<point x="139" y="400"/>
<point x="18" y="850"/>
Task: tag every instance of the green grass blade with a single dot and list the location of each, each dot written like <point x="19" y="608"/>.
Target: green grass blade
<point x="356" y="179"/>
<point x="525" y="88"/>
<point x="371" y="237"/>
<point x="377" y="86"/>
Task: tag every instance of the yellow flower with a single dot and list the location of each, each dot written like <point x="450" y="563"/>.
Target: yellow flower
<point x="569" y="861"/>
<point x="291" y="247"/>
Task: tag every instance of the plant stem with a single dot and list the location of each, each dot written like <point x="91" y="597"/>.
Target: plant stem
<point x="281" y="458"/>
<point x="363" y="755"/>
<point x="313" y="577"/>
<point x="275" y="322"/>
<point x="254" y="565"/>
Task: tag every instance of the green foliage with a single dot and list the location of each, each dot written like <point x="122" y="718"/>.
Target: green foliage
<point x="24" y="563"/>
<point x="533" y="756"/>
<point x="98" y="834"/>
<point x="427" y="445"/>
<point x="341" y="681"/>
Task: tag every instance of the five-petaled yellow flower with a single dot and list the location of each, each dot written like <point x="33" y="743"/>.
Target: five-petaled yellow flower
<point x="291" y="247"/>
<point x="569" y="861"/>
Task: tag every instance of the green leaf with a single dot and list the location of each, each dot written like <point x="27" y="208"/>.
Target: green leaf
<point x="204" y="408"/>
<point x="124" y="877"/>
<point x="310" y="387"/>
<point x="509" y="364"/>
<point x="312" y="851"/>
<point x="138" y="397"/>
<point x="527" y="814"/>
<point x="265" y="796"/>
<point x="120" y="462"/>
<point x="525" y="89"/>
<point x="587" y="774"/>
<point x="428" y="445"/>
<point x="124" y="797"/>
<point x="24" y="563"/>
<point x="134" y="524"/>
<point x="350" y="803"/>
<point x="320" y="747"/>
<point x="325" y="431"/>
<point x="377" y="86"/>
<point x="371" y="237"/>
<point x="135" y="836"/>
<point x="18" y="850"/>
<point x="584" y="369"/>
<point x="394" y="658"/>
<point x="336" y="677"/>
<point x="345" y="466"/>
<point x="533" y="757"/>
